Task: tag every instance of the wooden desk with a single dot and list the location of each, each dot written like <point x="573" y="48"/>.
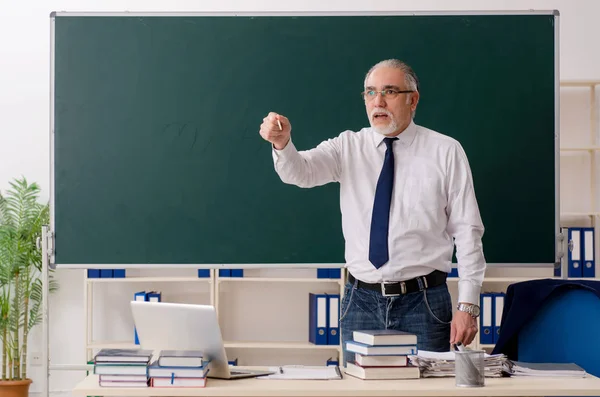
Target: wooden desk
<point x="352" y="387"/>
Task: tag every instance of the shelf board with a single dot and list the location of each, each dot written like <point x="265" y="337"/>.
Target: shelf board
<point x="150" y="279"/>
<point x="112" y="345"/>
<point x="580" y="149"/>
<point x="591" y="213"/>
<point x="279" y="345"/>
<point x="72" y="367"/>
<point x="500" y="279"/>
<point x="509" y="279"/>
<point x="298" y="280"/>
<point x="240" y="344"/>
<point x="577" y="278"/>
<point x="280" y="279"/>
<point x="579" y="83"/>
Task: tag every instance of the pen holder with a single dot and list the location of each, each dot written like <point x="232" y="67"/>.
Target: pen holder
<point x="469" y="368"/>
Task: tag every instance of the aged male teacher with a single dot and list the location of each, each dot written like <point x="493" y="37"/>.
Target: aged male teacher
<point x="407" y="198"/>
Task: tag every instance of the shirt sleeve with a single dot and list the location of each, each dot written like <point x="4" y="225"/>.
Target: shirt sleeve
<point x="309" y="168"/>
<point x="465" y="226"/>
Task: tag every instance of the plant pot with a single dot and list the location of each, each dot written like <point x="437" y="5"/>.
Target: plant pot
<point x="15" y="388"/>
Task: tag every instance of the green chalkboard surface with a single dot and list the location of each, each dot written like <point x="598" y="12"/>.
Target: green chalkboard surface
<point x="157" y="157"/>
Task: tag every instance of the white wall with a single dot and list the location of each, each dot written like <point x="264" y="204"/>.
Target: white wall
<point x="24" y="108"/>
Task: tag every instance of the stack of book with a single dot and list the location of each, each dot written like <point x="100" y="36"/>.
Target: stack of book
<point x="179" y="368"/>
<point x="122" y="367"/>
<point x="382" y="354"/>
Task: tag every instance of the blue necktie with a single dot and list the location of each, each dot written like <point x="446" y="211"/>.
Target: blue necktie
<point x="378" y="244"/>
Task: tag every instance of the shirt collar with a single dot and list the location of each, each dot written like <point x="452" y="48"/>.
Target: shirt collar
<point x="405" y="138"/>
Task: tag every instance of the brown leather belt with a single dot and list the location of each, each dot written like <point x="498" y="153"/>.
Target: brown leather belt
<point x="397" y="288"/>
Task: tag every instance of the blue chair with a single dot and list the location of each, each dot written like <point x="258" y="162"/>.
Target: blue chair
<point x="552" y="321"/>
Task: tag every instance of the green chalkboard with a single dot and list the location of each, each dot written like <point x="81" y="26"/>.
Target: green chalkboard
<point x="157" y="157"/>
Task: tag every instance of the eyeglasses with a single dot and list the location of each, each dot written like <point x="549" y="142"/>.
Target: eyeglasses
<point x="387" y="93"/>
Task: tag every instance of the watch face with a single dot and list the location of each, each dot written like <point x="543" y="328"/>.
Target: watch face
<point x="475" y="310"/>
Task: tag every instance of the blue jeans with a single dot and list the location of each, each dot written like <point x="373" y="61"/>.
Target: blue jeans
<point x="426" y="313"/>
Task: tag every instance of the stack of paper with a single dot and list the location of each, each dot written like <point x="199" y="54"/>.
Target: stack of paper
<point x="433" y="364"/>
<point x="519" y="368"/>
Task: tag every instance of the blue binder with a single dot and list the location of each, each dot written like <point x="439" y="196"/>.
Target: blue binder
<point x="333" y="308"/>
<point x="574" y="254"/>
<point x="332" y="362"/>
<point x="587" y="252"/>
<point x="329" y="273"/>
<point x="154" y="296"/>
<point x="498" y="306"/>
<point x="138" y="296"/>
<point x="486" y="318"/>
<point x="318" y="318"/>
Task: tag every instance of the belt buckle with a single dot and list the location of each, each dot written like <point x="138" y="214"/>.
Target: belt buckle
<point x="402" y="288"/>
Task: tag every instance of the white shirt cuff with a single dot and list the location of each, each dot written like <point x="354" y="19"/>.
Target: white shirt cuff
<point x="280" y="154"/>
<point x="468" y="292"/>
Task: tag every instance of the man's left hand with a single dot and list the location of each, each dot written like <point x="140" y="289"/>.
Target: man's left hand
<point x="463" y="328"/>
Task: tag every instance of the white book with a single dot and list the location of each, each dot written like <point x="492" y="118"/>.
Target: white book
<point x="124" y="378"/>
<point x="380" y="361"/>
<point x="109" y="383"/>
<point x="181" y="358"/>
<point x="178" y="382"/>
<point x="370" y="350"/>
<point x="382" y="372"/>
<point x="384" y="337"/>
<point x="154" y="371"/>
<point x="120" y="369"/>
<point x="123" y="356"/>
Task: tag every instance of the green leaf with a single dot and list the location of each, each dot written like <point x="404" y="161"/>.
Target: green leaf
<point x="21" y="289"/>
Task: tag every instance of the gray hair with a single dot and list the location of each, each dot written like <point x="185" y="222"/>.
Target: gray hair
<point x="410" y="77"/>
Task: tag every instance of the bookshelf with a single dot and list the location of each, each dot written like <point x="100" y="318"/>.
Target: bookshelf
<point x="580" y="147"/>
<point x="215" y="283"/>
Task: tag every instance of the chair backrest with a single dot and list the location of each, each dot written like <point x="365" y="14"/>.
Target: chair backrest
<point x="565" y="329"/>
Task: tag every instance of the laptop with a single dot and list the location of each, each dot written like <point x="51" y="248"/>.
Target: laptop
<point x="181" y="326"/>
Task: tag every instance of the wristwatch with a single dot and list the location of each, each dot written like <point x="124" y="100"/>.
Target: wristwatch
<point x="473" y="310"/>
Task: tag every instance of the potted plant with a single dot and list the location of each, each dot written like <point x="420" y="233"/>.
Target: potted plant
<point x="21" y="221"/>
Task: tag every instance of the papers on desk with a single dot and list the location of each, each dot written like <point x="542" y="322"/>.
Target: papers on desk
<point x="304" y="372"/>
<point x="433" y="364"/>
<point x="569" y="370"/>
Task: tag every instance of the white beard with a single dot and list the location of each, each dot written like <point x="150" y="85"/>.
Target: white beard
<point x="384" y="130"/>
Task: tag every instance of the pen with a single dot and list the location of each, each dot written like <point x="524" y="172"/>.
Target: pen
<point x="281" y="370"/>
<point x="279" y="124"/>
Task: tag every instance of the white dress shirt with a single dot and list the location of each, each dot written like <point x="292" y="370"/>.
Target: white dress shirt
<point x="433" y="201"/>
